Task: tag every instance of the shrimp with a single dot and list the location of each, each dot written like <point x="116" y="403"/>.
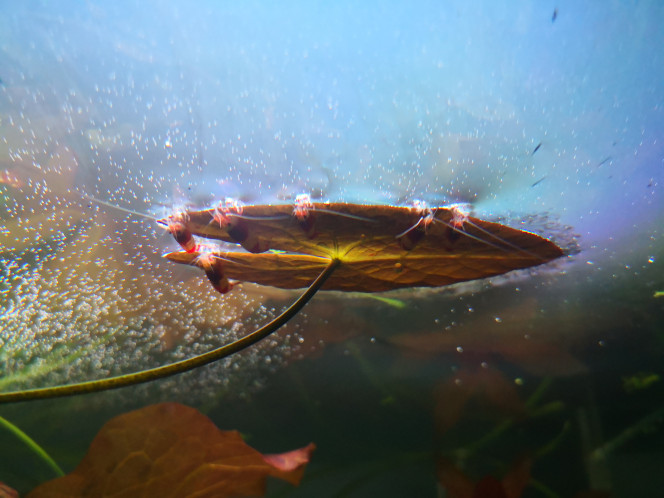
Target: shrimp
<point x="228" y="213"/>
<point x="225" y="209"/>
<point x="460" y="217"/>
<point x="213" y="267"/>
<point x="302" y="211"/>
<point x="302" y="207"/>
<point x="177" y="225"/>
<point x="411" y="236"/>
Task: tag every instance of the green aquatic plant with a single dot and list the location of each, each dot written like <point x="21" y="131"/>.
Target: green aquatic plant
<point x="345" y="247"/>
<point x="57" y="359"/>
<point x="639" y="381"/>
<point x="647" y="424"/>
<point x="32" y="445"/>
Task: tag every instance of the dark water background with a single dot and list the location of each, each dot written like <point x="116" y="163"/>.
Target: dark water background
<point x="149" y="105"/>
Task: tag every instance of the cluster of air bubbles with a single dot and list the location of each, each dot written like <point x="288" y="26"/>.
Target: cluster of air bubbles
<point x="97" y="329"/>
<point x="545" y="225"/>
<point x="85" y="294"/>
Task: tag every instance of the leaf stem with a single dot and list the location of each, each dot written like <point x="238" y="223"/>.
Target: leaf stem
<point x="646" y="424"/>
<point x="507" y="424"/>
<point x="180" y="366"/>
<point x="30" y="443"/>
<point x="543" y="488"/>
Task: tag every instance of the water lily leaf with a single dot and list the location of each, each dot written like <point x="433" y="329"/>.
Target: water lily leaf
<point x="380" y="247"/>
<point x="171" y="450"/>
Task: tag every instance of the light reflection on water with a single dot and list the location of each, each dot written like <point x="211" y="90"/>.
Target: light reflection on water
<point x="150" y="106"/>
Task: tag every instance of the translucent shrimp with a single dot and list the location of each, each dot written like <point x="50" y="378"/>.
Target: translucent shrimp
<point x="303" y="207"/>
<point x="225" y="209"/>
<point x="213" y="266"/>
<point x="178" y="225"/>
<point x="228" y="213"/>
<point x="426" y="217"/>
<point x="460" y="214"/>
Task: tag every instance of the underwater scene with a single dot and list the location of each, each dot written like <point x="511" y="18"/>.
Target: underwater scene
<point x="332" y="249"/>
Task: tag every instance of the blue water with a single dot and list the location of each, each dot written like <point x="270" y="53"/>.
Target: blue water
<point x="556" y="122"/>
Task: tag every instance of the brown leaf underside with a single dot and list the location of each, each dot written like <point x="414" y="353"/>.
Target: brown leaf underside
<point x="371" y="249"/>
<point x="171" y="450"/>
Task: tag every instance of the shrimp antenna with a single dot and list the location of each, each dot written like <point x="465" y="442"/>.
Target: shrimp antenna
<point x="119" y="208"/>
<point x="408" y="230"/>
<point x="179" y="366"/>
<point x="260" y="218"/>
<point x="345" y="215"/>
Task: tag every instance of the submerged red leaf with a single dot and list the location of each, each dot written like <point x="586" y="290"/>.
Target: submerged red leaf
<point x="171" y="450"/>
<point x="290" y="466"/>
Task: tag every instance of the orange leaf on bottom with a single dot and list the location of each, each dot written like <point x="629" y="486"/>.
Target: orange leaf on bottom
<point x="7" y="492"/>
<point x="290" y="466"/>
<point x="171" y="450"/>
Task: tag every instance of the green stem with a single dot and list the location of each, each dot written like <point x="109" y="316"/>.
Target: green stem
<point x="30" y="443"/>
<point x="539" y="393"/>
<point x="647" y="423"/>
<point x="177" y="367"/>
<point x="368" y="371"/>
<point x="507" y="424"/>
<point x="553" y="444"/>
<point x="543" y="488"/>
